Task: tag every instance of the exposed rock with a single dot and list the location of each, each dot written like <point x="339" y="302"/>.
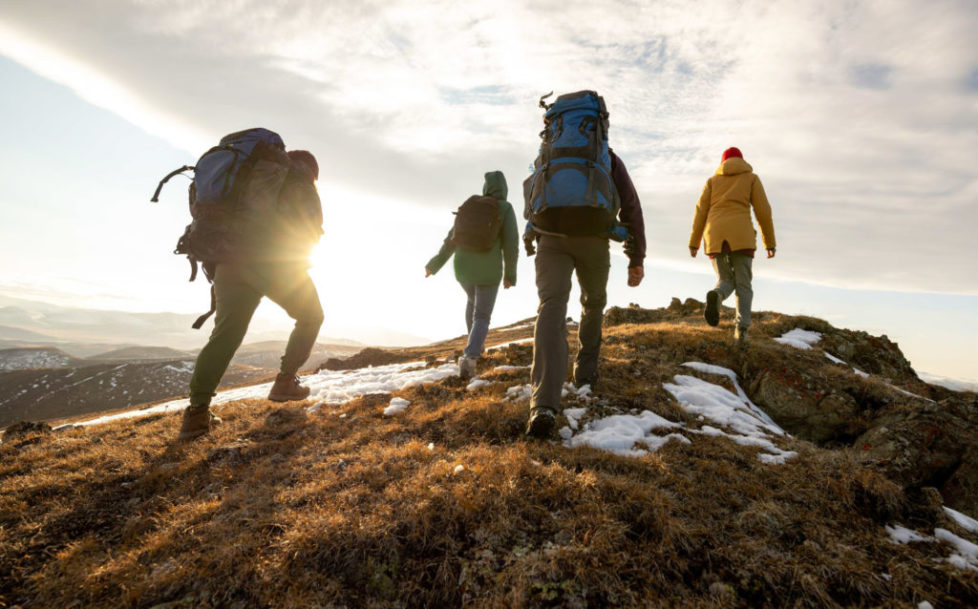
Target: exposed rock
<point x="929" y="444"/>
<point x="808" y="409"/>
<point x="370" y="356"/>
<point x="25" y="428"/>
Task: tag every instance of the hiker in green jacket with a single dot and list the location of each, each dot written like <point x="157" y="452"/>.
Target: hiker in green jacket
<point x="479" y="272"/>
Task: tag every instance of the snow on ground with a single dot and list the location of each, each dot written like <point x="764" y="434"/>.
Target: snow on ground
<point x="964" y="555"/>
<point x="478" y="382"/>
<point x="328" y="387"/>
<point x="521" y="341"/>
<point x="396" y="406"/>
<point x="965" y="522"/>
<point x="749" y="425"/>
<point x="800" y="339"/>
<point x="624" y="434"/>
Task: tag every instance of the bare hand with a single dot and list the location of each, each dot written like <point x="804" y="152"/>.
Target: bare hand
<point x="770" y="252"/>
<point x="427" y="272"/>
<point x="692" y="251"/>
<point x="635" y="275"/>
<point x="507" y="284"/>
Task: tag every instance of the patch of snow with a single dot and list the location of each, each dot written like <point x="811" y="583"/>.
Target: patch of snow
<point x="478" y="382"/>
<point x="834" y="359"/>
<point x="315" y="408"/>
<point x="859" y="372"/>
<point x="964" y="521"/>
<point x="924" y="605"/>
<point x="458" y="469"/>
<point x="508" y="368"/>
<point x="573" y="414"/>
<point x="519" y="392"/>
<point x="799" y="339"/>
<point x="396" y="406"/>
<point x="619" y="434"/>
<point x="966" y="556"/>
<point x="512" y="342"/>
<point x="903" y="535"/>
<point x="328" y="387"/>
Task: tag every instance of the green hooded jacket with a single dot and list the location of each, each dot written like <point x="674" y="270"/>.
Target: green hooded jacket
<point x="486" y="268"/>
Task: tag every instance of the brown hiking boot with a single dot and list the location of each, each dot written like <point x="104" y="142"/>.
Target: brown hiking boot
<point x="197" y="421"/>
<point x="287" y="389"/>
<point x="541" y="423"/>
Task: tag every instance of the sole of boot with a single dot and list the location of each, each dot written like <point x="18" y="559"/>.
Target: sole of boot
<point x="274" y="397"/>
<point x="712" y="312"/>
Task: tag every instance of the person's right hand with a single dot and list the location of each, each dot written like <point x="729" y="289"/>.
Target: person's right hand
<point x="427" y="272"/>
<point x="692" y="251"/>
<point x="635" y="275"/>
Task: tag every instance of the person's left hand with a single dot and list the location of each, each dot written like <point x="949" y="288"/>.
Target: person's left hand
<point x="635" y="275"/>
<point x="427" y="272"/>
<point x="770" y="252"/>
<point x="507" y="284"/>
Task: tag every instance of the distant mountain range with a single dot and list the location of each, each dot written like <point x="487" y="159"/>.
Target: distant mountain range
<point x="88" y="332"/>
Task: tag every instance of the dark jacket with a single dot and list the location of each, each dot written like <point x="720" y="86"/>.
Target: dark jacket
<point x="630" y="213"/>
<point x="486" y="268"/>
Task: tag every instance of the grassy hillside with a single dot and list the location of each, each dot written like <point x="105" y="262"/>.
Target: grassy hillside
<point x="447" y="504"/>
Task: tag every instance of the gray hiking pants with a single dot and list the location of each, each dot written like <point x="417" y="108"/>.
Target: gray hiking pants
<point x="734" y="275"/>
<point x="557" y="258"/>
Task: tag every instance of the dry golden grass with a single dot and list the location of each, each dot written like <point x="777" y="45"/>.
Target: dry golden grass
<point x="348" y="508"/>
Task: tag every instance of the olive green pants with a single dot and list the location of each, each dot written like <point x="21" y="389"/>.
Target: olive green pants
<point x="556" y="260"/>
<point x="238" y="288"/>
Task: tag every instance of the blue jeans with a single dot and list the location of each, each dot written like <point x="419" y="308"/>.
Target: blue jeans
<point x="478" y="310"/>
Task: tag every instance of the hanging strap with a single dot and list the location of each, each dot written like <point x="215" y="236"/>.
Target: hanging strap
<point x="200" y="320"/>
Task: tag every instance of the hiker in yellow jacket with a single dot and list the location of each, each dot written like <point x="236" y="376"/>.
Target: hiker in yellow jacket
<point x="723" y="221"/>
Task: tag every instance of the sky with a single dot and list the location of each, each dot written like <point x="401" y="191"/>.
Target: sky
<point x="860" y="117"/>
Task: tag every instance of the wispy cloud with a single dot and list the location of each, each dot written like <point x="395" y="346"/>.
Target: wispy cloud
<point x="859" y="116"/>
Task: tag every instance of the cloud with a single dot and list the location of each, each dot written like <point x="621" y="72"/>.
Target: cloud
<point x="859" y="117"/>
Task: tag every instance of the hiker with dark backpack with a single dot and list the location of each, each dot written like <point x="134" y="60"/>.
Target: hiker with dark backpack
<point x="578" y="198"/>
<point x="485" y="243"/>
<point x="257" y="215"/>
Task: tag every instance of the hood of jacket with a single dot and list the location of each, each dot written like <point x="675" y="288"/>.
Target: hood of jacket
<point x="733" y="166"/>
<point x="495" y="185"/>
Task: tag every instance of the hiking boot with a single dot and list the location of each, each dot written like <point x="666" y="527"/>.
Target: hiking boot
<point x="740" y="335"/>
<point x="197" y="421"/>
<point x="712" y="311"/>
<point x="287" y="389"/>
<point x="590" y="380"/>
<point x="541" y="423"/>
<point x="466" y="367"/>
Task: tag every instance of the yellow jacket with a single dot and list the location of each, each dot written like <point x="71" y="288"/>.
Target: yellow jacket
<point x="723" y="211"/>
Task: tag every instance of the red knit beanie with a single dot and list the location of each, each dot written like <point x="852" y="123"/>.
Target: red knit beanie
<point x="729" y="152"/>
<point x="305" y="159"/>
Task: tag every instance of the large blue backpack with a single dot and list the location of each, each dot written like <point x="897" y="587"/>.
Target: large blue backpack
<point x="233" y="196"/>
<point x="571" y="190"/>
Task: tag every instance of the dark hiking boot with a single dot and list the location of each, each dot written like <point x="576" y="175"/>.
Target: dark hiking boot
<point x="541" y="423"/>
<point x="589" y="380"/>
<point x="712" y="311"/>
<point x="287" y="389"/>
<point x="197" y="421"/>
<point x="466" y="367"/>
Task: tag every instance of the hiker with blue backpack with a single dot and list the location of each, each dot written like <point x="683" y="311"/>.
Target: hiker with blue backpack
<point x="256" y="216"/>
<point x="485" y="242"/>
<point x="578" y="198"/>
<point x="723" y="222"/>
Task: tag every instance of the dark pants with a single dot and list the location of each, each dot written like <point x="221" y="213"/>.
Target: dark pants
<point x="238" y="288"/>
<point x="557" y="258"/>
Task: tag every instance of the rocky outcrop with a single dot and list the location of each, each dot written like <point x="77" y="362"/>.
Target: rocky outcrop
<point x="368" y="357"/>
